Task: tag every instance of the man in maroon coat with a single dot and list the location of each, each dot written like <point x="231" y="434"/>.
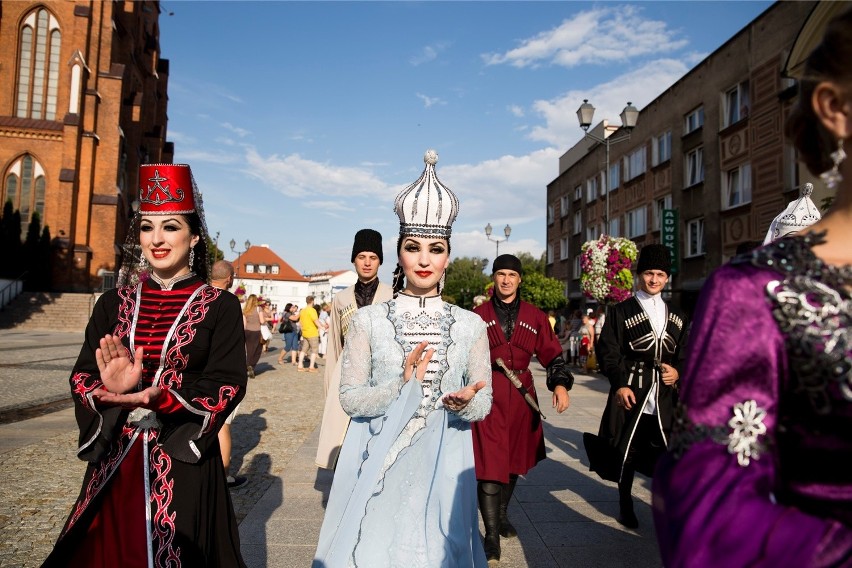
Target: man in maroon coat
<point x="509" y="441"/>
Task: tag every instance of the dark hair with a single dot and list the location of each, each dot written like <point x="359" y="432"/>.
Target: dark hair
<point x="201" y="265"/>
<point x="829" y="61"/>
<point x="288" y="306"/>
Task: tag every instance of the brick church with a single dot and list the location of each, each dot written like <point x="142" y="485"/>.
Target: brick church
<point x="83" y="102"/>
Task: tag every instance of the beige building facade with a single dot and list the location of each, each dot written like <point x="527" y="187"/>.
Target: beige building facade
<point x="83" y="102"/>
<point x="708" y="156"/>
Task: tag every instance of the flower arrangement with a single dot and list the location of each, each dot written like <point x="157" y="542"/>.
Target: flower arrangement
<point x="240" y="292"/>
<point x="606" y="264"/>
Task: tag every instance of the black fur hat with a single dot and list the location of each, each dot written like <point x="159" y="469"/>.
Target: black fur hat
<point x="654" y="257"/>
<point x="507" y="262"/>
<point x="367" y="240"/>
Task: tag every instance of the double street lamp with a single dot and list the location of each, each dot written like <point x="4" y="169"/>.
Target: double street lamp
<point x="233" y="244"/>
<point x="507" y="230"/>
<point x="629" y="117"/>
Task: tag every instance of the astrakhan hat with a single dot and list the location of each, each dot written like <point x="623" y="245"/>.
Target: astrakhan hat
<point x="798" y="215"/>
<point x="166" y="189"/>
<point x="426" y="208"/>
<point x="654" y="257"/>
<point x="367" y="240"/>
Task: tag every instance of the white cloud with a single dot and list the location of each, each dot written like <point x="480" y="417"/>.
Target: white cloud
<point x="598" y="36"/>
<point x="241" y="132"/>
<point x="428" y="53"/>
<point x="516" y="110"/>
<point x="295" y="176"/>
<point x="640" y="87"/>
<point x="430" y="101"/>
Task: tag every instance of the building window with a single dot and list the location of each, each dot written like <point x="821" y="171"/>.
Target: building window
<point x="275" y="269"/>
<point x="735" y="104"/>
<point x="615" y="227"/>
<point x="634" y="164"/>
<point x="550" y="214"/>
<point x="563" y="248"/>
<point x="694" y="167"/>
<point x="737" y="188"/>
<point x="261" y="268"/>
<point x="614" y="176"/>
<point x="695" y="238"/>
<point x="661" y="148"/>
<point x="578" y="222"/>
<point x="38" y="66"/>
<point x="250" y="268"/>
<point x="564" y="206"/>
<point x="694" y="120"/>
<point x="659" y="206"/>
<point x="578" y="193"/>
<point x="636" y="222"/>
<point x="24" y="185"/>
<point x="549" y="253"/>
<point x="592" y="189"/>
<point x="591" y="233"/>
<point x="578" y="271"/>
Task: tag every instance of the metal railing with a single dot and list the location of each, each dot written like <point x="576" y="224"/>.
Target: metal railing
<point x="11" y="290"/>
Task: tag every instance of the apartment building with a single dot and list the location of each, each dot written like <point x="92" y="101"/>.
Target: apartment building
<point x="705" y="169"/>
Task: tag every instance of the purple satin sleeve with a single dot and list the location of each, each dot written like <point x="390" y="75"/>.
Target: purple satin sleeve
<point x="708" y="509"/>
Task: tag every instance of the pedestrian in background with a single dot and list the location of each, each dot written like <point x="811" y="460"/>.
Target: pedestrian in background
<point x="309" y="326"/>
<point x="222" y="277"/>
<point x="323" y="329"/>
<point x="253" y="318"/>
<point x="757" y="473"/>
<point x="161" y="368"/>
<point x="290" y="333"/>
<point x="367" y="258"/>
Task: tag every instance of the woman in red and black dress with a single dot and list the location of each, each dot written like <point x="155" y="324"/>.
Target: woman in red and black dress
<point x="161" y="368"/>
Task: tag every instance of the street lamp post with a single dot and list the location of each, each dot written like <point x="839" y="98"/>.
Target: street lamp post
<point x="629" y="116"/>
<point x="233" y="244"/>
<point x="507" y="230"/>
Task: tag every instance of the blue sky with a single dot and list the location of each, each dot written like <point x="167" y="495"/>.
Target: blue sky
<point x="303" y="120"/>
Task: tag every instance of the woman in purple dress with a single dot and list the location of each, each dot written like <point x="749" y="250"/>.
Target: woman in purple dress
<point x="756" y="473"/>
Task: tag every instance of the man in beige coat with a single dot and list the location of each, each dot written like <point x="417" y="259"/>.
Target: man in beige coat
<point x="367" y="257"/>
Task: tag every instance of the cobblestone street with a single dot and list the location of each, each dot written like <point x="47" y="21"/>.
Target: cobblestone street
<point x="42" y="476"/>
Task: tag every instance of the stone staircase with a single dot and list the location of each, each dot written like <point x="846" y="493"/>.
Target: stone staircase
<point x="48" y="311"/>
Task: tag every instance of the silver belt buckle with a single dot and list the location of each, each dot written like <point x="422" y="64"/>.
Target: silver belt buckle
<point x="143" y="418"/>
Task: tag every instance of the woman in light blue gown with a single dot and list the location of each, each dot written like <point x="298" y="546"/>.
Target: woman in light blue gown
<point x="404" y="491"/>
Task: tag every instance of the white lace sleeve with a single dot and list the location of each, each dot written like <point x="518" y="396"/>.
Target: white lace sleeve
<point x="478" y="369"/>
<point x="365" y="391"/>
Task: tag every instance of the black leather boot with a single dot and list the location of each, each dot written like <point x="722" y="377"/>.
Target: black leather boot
<point x="626" y="515"/>
<point x="506" y="490"/>
<point x="489" y="507"/>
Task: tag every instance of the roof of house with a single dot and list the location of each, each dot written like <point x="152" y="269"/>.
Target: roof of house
<point x="262" y="257"/>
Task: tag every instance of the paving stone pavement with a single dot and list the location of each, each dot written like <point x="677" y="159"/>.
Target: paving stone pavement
<point x="563" y="513"/>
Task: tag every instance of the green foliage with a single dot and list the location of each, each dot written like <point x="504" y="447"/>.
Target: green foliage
<point x="213" y="252"/>
<point x="541" y="291"/>
<point x="465" y="279"/>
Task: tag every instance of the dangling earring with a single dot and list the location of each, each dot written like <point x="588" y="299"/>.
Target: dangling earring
<point x="143" y="264"/>
<point x="832" y="177"/>
<point x="441" y="282"/>
<point x="191" y="257"/>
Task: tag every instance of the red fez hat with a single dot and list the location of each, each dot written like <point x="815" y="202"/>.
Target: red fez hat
<point x="165" y="189"/>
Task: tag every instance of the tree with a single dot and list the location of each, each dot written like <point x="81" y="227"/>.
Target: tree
<point x="10" y="242"/>
<point x="531" y="264"/>
<point x="544" y="292"/>
<point x="213" y="252"/>
<point x="464" y="280"/>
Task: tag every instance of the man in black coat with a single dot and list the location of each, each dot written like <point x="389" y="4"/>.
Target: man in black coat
<point x="639" y="351"/>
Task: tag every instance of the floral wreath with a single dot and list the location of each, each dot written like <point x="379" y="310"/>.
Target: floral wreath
<point x="606" y="264"/>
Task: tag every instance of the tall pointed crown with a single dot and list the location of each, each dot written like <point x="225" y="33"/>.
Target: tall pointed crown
<point x="166" y="189"/>
<point x="798" y="215"/>
<point x="426" y="208"/>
